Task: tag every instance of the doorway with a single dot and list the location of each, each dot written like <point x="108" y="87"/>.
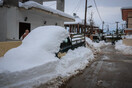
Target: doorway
<point x="23" y="27"/>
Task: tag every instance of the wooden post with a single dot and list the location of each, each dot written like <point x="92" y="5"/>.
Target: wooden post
<point x="78" y="28"/>
<point x="70" y="28"/>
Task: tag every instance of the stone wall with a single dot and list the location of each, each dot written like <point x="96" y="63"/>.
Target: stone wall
<point x="127" y="42"/>
<point x="5" y="46"/>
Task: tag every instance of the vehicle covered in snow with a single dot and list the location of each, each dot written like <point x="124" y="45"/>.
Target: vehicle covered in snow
<point x="34" y="62"/>
<point x="71" y="42"/>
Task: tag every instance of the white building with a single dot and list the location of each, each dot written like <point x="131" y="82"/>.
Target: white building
<point x="15" y="18"/>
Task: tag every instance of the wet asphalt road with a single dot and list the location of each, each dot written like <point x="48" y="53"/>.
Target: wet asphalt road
<point x="111" y="70"/>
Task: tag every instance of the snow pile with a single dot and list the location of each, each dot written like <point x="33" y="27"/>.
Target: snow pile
<point x="128" y="36"/>
<point x="34" y="62"/>
<point x="100" y="44"/>
<point x="30" y="4"/>
<point x="38" y="48"/>
<point x="74" y="60"/>
<point x="123" y="48"/>
<point x="1" y="2"/>
<point x="95" y="46"/>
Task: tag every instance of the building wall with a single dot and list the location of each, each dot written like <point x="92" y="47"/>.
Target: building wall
<point x="60" y="3"/>
<point x="37" y="18"/>
<point x="3" y="23"/>
<point x="130" y="22"/>
<point x="127" y="42"/>
<point x="11" y="24"/>
<point x="10" y="18"/>
<point x="8" y="29"/>
<point x="128" y="32"/>
<point x="129" y="14"/>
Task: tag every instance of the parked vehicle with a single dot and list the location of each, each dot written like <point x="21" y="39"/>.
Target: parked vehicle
<point x="72" y="42"/>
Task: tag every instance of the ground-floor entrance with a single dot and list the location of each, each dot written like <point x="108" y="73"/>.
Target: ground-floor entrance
<point x="22" y="27"/>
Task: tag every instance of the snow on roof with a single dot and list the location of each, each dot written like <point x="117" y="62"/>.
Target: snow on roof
<point x="78" y="20"/>
<point x="30" y="4"/>
<point x="128" y="29"/>
<point x="1" y="2"/>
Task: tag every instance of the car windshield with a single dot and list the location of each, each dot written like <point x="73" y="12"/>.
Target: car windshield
<point x="65" y="43"/>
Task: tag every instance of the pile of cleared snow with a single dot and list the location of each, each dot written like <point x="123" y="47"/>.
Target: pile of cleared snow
<point x="34" y="62"/>
<point x="30" y="4"/>
<point x="123" y="48"/>
<point x="74" y="60"/>
<point x="100" y="44"/>
<point x="95" y="46"/>
<point x="38" y="48"/>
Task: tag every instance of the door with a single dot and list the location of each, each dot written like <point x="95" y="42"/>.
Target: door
<point x="23" y="27"/>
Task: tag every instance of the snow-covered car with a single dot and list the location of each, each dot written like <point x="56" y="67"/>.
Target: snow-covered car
<point x="34" y="59"/>
<point x="34" y="63"/>
<point x="71" y="42"/>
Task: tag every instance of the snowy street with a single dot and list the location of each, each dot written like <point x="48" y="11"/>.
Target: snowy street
<point x="65" y="44"/>
<point x="111" y="70"/>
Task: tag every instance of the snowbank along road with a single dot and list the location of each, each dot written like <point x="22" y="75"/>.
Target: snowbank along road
<point x="111" y="70"/>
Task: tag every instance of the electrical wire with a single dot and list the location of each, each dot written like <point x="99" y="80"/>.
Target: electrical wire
<point x="97" y="10"/>
<point x="76" y="6"/>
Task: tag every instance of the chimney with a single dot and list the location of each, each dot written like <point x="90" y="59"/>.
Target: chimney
<point x="60" y="5"/>
<point x="11" y="2"/>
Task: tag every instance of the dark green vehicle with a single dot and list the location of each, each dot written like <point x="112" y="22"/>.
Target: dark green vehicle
<point x="72" y="42"/>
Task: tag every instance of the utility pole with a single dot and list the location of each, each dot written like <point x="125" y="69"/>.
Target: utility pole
<point x="102" y="25"/>
<point x="91" y="24"/>
<point x="117" y="28"/>
<point x="102" y="28"/>
<point x="85" y="17"/>
<point x="107" y="28"/>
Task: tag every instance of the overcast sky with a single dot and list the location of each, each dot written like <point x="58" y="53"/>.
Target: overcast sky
<point x="110" y="10"/>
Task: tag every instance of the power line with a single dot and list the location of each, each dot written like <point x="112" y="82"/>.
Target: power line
<point x="97" y="10"/>
<point x="76" y="6"/>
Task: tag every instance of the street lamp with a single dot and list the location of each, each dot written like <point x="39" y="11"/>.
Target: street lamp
<point x="89" y="6"/>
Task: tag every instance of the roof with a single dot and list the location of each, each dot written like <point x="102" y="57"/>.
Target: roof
<point x="32" y="4"/>
<point x="78" y="20"/>
<point x="125" y="11"/>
